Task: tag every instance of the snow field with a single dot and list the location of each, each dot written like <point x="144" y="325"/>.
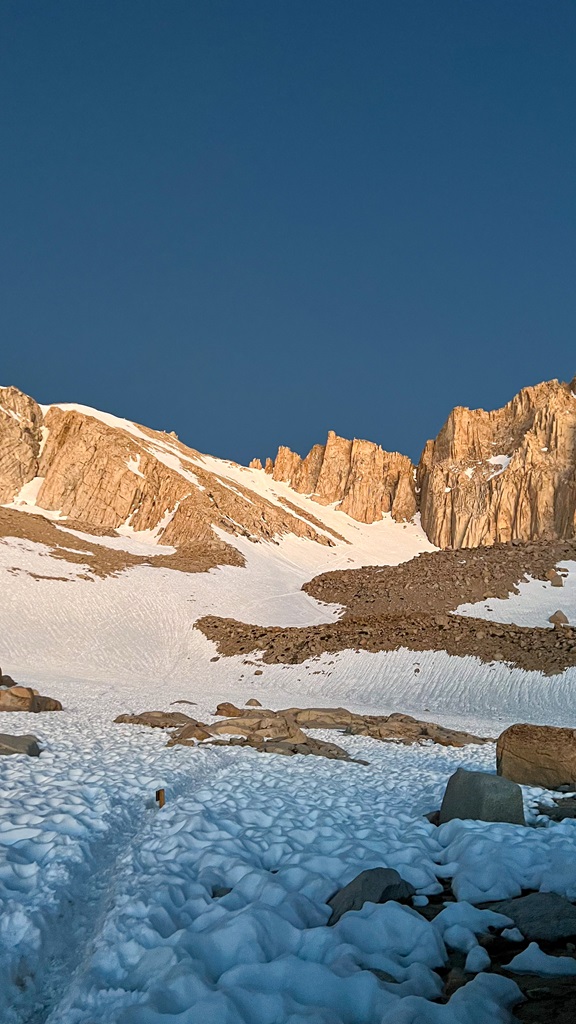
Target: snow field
<point x="62" y="817"/>
<point x="107" y="907"/>
<point x="134" y="634"/>
<point x="536" y="601"/>
<point x="283" y="835"/>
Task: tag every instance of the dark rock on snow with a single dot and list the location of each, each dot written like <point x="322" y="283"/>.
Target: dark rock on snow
<point x="377" y="885"/>
<point x="482" y="797"/>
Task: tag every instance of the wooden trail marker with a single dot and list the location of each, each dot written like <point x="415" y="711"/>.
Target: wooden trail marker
<point x="160" y="797"/>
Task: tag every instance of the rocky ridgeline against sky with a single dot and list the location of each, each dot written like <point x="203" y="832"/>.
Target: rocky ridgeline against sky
<point x="488" y="477"/>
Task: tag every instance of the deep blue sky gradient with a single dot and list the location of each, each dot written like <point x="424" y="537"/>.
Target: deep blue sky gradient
<point x="254" y="220"/>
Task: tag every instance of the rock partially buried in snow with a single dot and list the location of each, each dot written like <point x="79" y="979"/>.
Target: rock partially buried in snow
<point x="156" y="719"/>
<point x="282" y="732"/>
<point x="19" y="745"/>
<point x="533" y="960"/>
<point x="482" y="797"/>
<point x="377" y="885"/>
<point x="24" y="698"/>
<point x="269" y="732"/>
<point x="193" y="732"/>
<point x="396" y="728"/>
<point x="541" y="915"/>
<point x="537" y="755"/>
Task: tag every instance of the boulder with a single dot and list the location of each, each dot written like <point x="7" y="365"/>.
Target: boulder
<point x="253" y="703"/>
<point x="377" y="885"/>
<point x="227" y="710"/>
<point x="19" y="745"/>
<point x="193" y="732"/>
<point x="537" y="755"/>
<point x="545" y="916"/>
<point x="559" y="618"/>
<point x="24" y="698"/>
<point x="482" y="797"/>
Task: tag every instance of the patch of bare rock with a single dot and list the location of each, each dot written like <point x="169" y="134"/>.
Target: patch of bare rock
<point x="103" y="561"/>
<point x="548" y="651"/>
<point x="409" y="605"/>
<point x="282" y="732"/>
<point x="440" y="581"/>
<point x="24" y="698"/>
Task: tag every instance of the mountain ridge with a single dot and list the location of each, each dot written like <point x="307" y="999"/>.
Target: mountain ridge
<point x="488" y="477"/>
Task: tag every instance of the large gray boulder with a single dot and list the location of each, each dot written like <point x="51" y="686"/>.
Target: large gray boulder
<point x="377" y="885"/>
<point x="541" y="915"/>
<point x="482" y="797"/>
<point x="19" y="745"/>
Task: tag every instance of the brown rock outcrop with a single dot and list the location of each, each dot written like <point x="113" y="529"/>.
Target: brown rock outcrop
<point x="21" y="438"/>
<point x="282" y="732"/>
<point x="537" y="755"/>
<point x="359" y="476"/>
<point x="397" y="728"/>
<point x="549" y="651"/>
<point x="24" y="698"/>
<point x="103" y="474"/>
<point x="489" y="477"/>
<point x="503" y="475"/>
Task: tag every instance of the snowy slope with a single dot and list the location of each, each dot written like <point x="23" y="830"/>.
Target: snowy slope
<point x="536" y="601"/>
<point x="107" y="907"/>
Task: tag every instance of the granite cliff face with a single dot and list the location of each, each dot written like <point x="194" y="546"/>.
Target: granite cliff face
<point x="108" y="474"/>
<point x="488" y="477"/>
<point x="503" y="475"/>
<point x="20" y="441"/>
<point x="360" y="477"/>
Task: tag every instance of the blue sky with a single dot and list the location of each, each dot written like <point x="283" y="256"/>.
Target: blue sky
<point x="254" y="221"/>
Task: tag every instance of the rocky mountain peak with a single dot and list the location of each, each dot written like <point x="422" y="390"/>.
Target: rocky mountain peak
<point x="108" y="474"/>
<point x="497" y="476"/>
<point x="503" y="475"/>
<point x="359" y="477"/>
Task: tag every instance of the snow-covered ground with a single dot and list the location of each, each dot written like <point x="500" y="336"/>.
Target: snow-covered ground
<point x="107" y="905"/>
<point x="536" y="601"/>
